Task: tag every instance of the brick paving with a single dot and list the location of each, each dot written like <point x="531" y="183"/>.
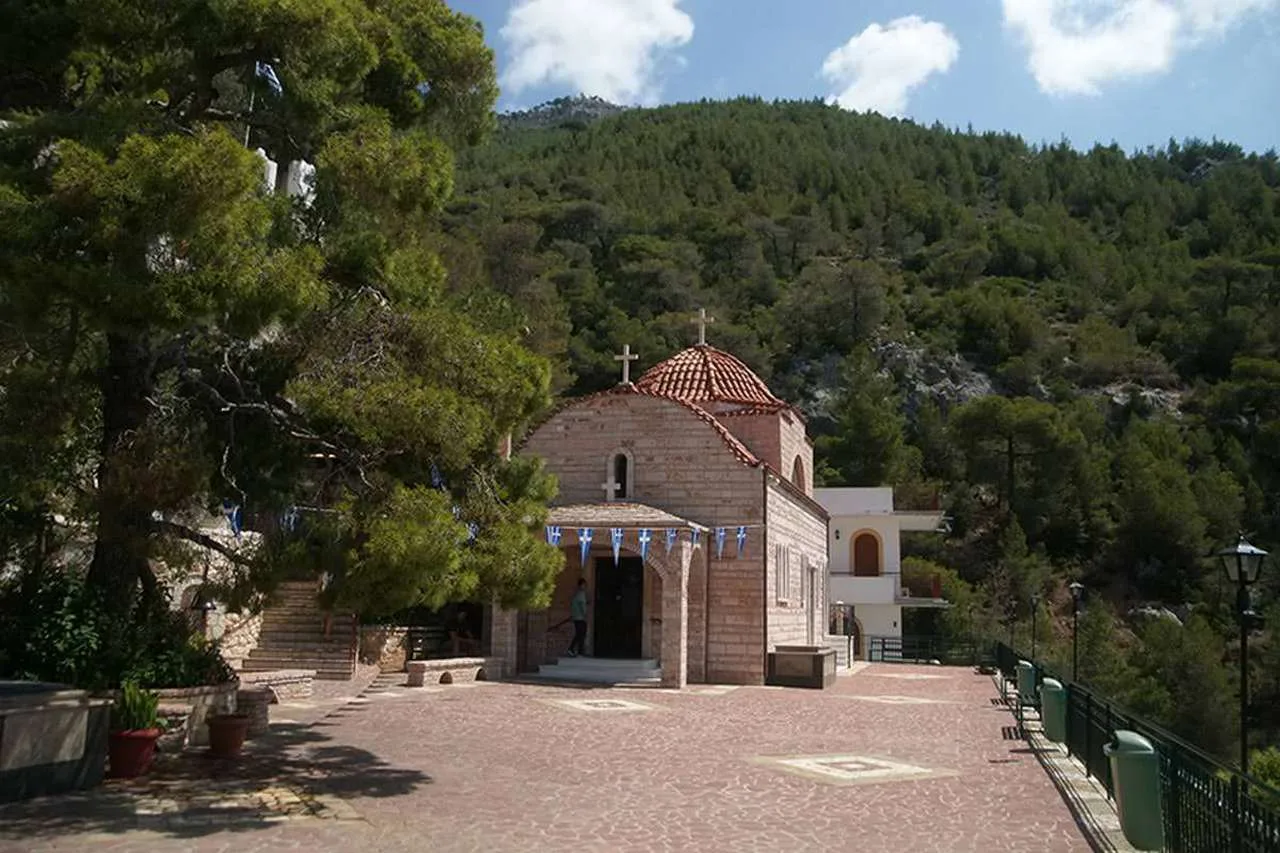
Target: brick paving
<point x="880" y="762"/>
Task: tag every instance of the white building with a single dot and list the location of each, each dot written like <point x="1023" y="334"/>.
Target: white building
<point x="864" y="539"/>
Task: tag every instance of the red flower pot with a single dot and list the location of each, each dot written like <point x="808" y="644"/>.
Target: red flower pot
<point x="226" y="734"/>
<point x="131" y="752"/>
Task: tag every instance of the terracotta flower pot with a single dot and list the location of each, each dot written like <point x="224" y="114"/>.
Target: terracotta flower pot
<point x="131" y="752"/>
<point x="226" y="734"/>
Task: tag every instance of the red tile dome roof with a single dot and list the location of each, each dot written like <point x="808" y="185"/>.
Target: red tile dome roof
<point x="702" y="374"/>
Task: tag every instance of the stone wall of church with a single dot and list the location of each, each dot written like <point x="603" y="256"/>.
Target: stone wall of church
<point x="683" y="466"/>
<point x="796" y="571"/>
<point x="795" y="445"/>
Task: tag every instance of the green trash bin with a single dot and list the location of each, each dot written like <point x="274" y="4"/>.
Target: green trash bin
<point x="1135" y="779"/>
<point x="1026" y="683"/>
<point x="1053" y="710"/>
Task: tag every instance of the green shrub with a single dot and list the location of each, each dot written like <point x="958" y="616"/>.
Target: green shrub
<point x="135" y="710"/>
<point x="54" y="630"/>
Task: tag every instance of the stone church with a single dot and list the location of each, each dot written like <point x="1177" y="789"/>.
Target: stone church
<point x="700" y="468"/>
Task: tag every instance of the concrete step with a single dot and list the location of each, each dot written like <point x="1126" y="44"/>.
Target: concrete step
<point x="304" y="649"/>
<point x="586" y="670"/>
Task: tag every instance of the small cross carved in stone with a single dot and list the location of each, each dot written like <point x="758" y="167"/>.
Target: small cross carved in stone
<point x="702" y="321"/>
<point x="626" y="358"/>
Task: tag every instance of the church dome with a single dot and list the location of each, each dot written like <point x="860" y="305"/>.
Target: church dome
<point x="702" y="374"/>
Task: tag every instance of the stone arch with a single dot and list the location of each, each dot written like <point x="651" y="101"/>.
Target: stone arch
<point x="797" y="473"/>
<point x="866" y="554"/>
<point x="446" y="678"/>
<point x="620" y="471"/>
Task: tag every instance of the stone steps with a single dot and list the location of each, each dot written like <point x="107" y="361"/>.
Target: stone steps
<point x="585" y="670"/>
<point x="292" y="635"/>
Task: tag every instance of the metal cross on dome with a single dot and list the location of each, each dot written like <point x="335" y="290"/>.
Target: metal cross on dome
<point x="702" y="321"/>
<point x="626" y="358"/>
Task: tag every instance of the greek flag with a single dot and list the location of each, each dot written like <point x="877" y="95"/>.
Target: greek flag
<point x="615" y="537"/>
<point x="473" y="530"/>
<point x="290" y="520"/>
<point x="672" y="533"/>
<point x="266" y="72"/>
<point x="553" y="535"/>
<point x="742" y="540"/>
<point x="645" y="535"/>
<point x="719" y="542"/>
<point x="584" y="544"/>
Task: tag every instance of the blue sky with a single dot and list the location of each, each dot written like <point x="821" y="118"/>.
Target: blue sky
<point x="1136" y="72"/>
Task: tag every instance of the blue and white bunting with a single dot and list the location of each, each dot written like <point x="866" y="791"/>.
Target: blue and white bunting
<point x="742" y="540"/>
<point x="615" y="538"/>
<point x="694" y="533"/>
<point x="584" y="544"/>
<point x="719" y="542"/>
<point x="266" y="72"/>
<point x="553" y="535"/>
<point x="232" y="512"/>
<point x="672" y="533"/>
<point x="644" y="536"/>
<point x="289" y="521"/>
<point x="473" y="531"/>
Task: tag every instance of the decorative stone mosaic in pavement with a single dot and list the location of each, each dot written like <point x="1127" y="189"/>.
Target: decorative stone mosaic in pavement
<point x="603" y="705"/>
<point x="852" y="769"/>
<point x="510" y="769"/>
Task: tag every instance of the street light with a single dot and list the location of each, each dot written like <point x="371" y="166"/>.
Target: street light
<point x="1077" y="593"/>
<point x="1035" y="606"/>
<point x="1243" y="563"/>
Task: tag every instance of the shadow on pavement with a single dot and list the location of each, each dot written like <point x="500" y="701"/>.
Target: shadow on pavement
<point x="293" y="771"/>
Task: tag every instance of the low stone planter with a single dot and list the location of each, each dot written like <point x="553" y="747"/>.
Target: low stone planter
<point x="255" y="703"/>
<point x="286" y="685"/>
<point x="801" y="666"/>
<point x="52" y="739"/>
<point x="451" y="670"/>
<point x="202" y="702"/>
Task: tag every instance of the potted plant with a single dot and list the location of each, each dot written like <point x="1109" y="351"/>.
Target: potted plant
<point x="131" y="743"/>
<point x="226" y="734"/>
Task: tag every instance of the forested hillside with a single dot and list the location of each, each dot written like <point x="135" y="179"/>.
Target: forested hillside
<point x="1078" y="349"/>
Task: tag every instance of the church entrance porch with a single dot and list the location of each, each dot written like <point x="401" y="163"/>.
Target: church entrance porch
<point x="638" y="589"/>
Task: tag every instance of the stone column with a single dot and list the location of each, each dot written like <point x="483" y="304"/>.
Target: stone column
<point x="503" y="640"/>
<point x="675" y="618"/>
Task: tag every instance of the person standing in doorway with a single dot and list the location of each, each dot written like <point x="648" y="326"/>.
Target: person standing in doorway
<point x="578" y="613"/>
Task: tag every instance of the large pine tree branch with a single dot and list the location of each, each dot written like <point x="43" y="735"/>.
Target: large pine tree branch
<point x="181" y="531"/>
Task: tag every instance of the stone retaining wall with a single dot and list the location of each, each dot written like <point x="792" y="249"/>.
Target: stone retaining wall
<point x="385" y="646"/>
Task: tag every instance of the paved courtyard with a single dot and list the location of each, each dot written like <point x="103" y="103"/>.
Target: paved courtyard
<point x="894" y="758"/>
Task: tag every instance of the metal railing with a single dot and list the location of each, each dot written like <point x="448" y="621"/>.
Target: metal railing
<point x="927" y="649"/>
<point x="1208" y="807"/>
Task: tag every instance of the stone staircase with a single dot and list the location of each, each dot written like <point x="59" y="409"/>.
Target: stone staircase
<point x="293" y="636"/>
<point x="585" y="670"/>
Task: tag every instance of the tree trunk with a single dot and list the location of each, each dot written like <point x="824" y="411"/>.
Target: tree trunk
<point x="120" y="550"/>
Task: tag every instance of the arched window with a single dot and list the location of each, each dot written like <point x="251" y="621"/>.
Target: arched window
<point x="866" y="555"/>
<point x="797" y="472"/>
<point x="620" y="475"/>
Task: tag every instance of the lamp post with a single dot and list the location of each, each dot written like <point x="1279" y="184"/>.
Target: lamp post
<point x="1035" y="606"/>
<point x="1077" y="592"/>
<point x="1243" y="563"/>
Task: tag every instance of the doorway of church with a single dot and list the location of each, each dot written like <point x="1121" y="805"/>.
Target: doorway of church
<point x="619" y="610"/>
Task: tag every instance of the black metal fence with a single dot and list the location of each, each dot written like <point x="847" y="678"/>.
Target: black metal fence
<point x="1208" y="807"/>
<point x="929" y="649"/>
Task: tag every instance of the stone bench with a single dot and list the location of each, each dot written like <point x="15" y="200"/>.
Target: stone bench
<point x="286" y="684"/>
<point x="451" y="670"/>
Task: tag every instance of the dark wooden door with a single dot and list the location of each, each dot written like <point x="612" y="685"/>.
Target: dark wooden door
<point x="619" y="607"/>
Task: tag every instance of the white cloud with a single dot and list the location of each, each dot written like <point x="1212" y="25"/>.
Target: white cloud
<point x="878" y="68"/>
<point x="1075" y="46"/>
<point x="609" y="48"/>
